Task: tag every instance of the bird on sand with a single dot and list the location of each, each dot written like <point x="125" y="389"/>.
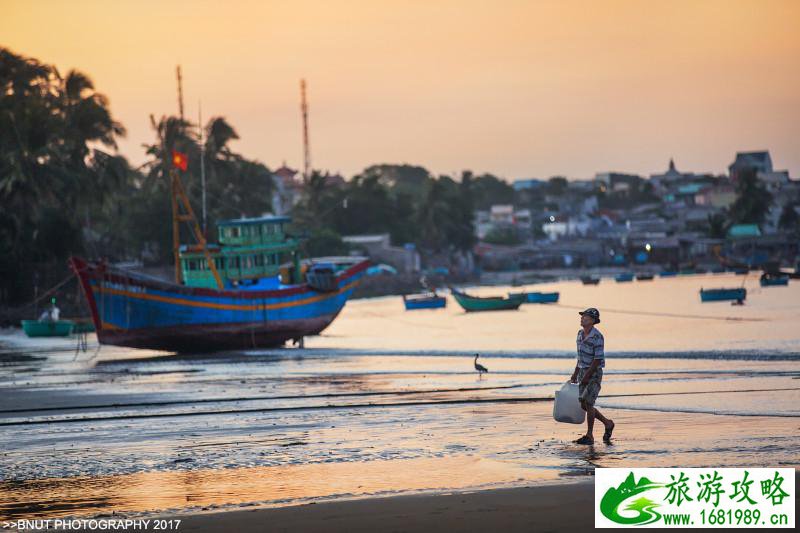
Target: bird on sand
<point x="479" y="367"/>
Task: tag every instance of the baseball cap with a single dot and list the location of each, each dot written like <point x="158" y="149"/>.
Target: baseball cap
<point x="592" y="312"/>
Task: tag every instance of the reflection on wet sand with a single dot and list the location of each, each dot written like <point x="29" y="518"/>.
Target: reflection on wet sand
<point x="211" y="488"/>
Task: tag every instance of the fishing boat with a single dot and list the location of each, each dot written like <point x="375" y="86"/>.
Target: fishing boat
<point x="667" y="274"/>
<point x="248" y="291"/>
<point x="538" y="297"/>
<point x="137" y="311"/>
<point x="48" y="328"/>
<point x="429" y="300"/>
<point x="589" y="280"/>
<point x="644" y="277"/>
<point x="491" y="303"/>
<point x="624" y="277"/>
<point x="719" y="295"/>
<point x="770" y="279"/>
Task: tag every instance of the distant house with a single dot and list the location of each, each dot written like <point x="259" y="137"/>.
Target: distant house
<point x="531" y="184"/>
<point x="286" y="190"/>
<point x="721" y="196"/>
<point x="617" y="182"/>
<point x="502" y="215"/>
<point x="739" y="231"/>
<point x="333" y="180"/>
<point x="379" y="248"/>
<point x="670" y="176"/>
<point x="567" y="226"/>
<point x="761" y="162"/>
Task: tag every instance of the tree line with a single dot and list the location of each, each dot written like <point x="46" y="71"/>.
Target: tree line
<point x="66" y="190"/>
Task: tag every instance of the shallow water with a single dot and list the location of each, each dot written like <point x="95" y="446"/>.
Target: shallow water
<point x="384" y="393"/>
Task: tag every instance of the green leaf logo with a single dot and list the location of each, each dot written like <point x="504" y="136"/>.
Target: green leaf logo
<point x="645" y="508"/>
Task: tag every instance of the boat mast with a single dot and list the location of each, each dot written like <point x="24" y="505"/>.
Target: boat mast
<point x="202" y="163"/>
<point x="180" y="200"/>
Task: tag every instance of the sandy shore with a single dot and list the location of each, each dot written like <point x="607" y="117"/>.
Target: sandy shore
<point x="564" y="507"/>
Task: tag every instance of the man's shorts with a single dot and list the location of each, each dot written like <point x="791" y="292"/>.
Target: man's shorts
<point x="589" y="392"/>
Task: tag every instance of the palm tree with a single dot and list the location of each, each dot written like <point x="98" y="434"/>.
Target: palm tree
<point x="172" y="134"/>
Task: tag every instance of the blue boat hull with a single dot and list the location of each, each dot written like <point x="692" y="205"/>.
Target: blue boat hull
<point x="139" y="312"/>
<point x="775" y="282"/>
<point x="719" y="295"/>
<point x="542" y="297"/>
<point x="436" y="302"/>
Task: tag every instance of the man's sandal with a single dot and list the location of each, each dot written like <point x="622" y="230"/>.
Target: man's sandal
<point x="584" y="440"/>
<point x="607" y="434"/>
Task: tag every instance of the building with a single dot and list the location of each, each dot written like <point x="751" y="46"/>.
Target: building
<point x="761" y="162"/>
<point x="719" y="197"/>
<point x="531" y="184"/>
<point x="618" y="183"/>
<point x="561" y="226"/>
<point x="286" y="191"/>
<point x="378" y="247"/>
<point x="672" y="175"/>
<point x="502" y="215"/>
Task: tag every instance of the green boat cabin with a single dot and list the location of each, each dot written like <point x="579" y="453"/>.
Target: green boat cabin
<point x="251" y="252"/>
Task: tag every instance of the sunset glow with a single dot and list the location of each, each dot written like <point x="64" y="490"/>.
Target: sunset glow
<point x="520" y="89"/>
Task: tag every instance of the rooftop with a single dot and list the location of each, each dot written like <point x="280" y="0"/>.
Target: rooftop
<point x="266" y="219"/>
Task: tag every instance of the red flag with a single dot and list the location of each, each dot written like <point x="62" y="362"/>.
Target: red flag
<point x="180" y="160"/>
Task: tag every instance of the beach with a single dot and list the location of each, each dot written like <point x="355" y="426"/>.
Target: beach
<point x="382" y="421"/>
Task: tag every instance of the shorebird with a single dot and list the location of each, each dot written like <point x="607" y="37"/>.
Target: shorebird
<point x="479" y="367"/>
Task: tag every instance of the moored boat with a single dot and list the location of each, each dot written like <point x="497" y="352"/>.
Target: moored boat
<point x="644" y="277"/>
<point x="719" y="295"/>
<point x="429" y="300"/>
<point x="624" y="277"/>
<point x="543" y="297"/>
<point x="248" y="291"/>
<point x="770" y="279"/>
<point x="537" y="297"/>
<point x="589" y="280"/>
<point x="136" y="311"/>
<point x="492" y="303"/>
<point x="48" y="328"/>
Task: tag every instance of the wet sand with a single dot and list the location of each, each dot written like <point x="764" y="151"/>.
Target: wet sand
<point x="386" y="406"/>
<point x="523" y="447"/>
<point x="568" y="507"/>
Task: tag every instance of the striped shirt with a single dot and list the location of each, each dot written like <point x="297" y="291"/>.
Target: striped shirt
<point x="592" y="347"/>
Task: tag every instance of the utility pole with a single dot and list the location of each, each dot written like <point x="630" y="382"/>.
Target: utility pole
<point x="180" y="92"/>
<point x="306" y="147"/>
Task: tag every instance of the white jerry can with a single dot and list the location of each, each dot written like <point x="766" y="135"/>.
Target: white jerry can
<point x="566" y="407"/>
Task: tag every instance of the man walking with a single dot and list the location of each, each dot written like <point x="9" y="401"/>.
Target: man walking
<point x="589" y="373"/>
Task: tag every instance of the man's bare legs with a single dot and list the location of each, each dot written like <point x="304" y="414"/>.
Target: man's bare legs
<point x="591" y="414"/>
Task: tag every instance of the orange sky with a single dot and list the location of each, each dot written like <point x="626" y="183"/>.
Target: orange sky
<point x="517" y="88"/>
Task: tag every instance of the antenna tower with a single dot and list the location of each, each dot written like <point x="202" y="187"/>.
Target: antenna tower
<point x="180" y="91"/>
<point x="306" y="147"/>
